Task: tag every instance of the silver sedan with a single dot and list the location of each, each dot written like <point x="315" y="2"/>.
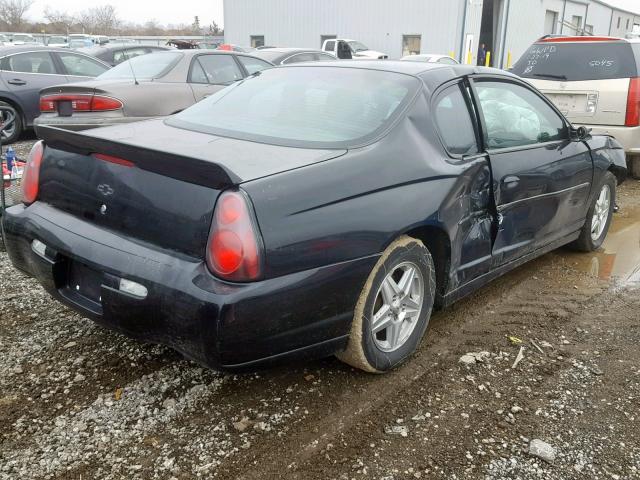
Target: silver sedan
<point x="148" y="86"/>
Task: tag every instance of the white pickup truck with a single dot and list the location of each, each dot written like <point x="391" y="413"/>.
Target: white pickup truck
<point x="346" y="49"/>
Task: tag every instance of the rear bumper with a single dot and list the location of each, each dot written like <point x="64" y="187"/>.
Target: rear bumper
<point x="221" y="325"/>
<point x="80" y="122"/>
<point x="629" y="137"/>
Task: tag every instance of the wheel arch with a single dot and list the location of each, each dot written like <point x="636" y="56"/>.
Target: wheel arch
<point x="437" y="241"/>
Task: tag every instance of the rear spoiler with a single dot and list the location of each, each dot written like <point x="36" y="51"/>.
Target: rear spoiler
<point x="187" y="169"/>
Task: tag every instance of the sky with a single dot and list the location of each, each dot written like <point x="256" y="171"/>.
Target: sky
<point x="168" y="11"/>
<point x="141" y="11"/>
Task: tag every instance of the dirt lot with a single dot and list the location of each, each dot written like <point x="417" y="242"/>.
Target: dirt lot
<point x="80" y="402"/>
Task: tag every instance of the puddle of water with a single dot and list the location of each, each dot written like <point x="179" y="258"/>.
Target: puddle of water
<point x="618" y="261"/>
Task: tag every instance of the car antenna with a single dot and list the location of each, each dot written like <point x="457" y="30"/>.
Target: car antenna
<point x="135" y="80"/>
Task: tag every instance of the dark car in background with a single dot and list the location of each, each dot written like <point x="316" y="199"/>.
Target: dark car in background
<point x="312" y="209"/>
<point x="286" y="56"/>
<point x="115" y="54"/>
<point x="25" y="70"/>
<point x="148" y="86"/>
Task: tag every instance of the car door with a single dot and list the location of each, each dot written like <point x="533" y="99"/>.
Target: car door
<point x="80" y="67"/>
<point x="25" y="74"/>
<point x="469" y="209"/>
<point x="212" y="72"/>
<point x="541" y="178"/>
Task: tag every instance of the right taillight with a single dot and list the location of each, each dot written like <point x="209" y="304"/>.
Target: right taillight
<point x="80" y="102"/>
<point x="31" y="174"/>
<point x="633" y="103"/>
<point x="233" y="249"/>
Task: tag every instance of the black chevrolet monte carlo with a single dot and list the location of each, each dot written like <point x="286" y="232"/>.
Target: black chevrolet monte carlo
<point x="310" y="210"/>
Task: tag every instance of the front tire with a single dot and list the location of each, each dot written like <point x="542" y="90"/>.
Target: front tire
<point x="599" y="216"/>
<point x="394" y="308"/>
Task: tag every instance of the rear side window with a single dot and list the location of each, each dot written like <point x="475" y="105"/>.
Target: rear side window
<point x="454" y="122"/>
<point x="330" y="46"/>
<point x="577" y="61"/>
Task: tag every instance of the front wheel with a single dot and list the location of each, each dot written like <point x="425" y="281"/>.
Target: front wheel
<point x="599" y="216"/>
<point x="394" y="308"/>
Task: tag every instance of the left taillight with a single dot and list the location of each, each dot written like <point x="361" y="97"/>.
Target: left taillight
<point x="31" y="174"/>
<point x="80" y="102"/>
<point x="234" y="249"/>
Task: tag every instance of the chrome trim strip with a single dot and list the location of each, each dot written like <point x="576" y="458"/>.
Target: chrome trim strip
<point x="509" y="205"/>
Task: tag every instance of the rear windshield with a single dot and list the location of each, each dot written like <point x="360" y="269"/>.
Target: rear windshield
<point x="323" y="107"/>
<point x="150" y="66"/>
<point x="577" y="61"/>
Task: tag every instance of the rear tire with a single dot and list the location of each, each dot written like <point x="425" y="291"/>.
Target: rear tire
<point x="12" y="118"/>
<point x="394" y="308"/>
<point x="599" y="216"/>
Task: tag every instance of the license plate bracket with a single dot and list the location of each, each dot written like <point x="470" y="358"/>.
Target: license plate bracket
<point x="85" y="281"/>
<point x="65" y="108"/>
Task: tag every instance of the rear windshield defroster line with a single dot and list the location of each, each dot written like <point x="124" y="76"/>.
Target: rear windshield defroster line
<point x="304" y="106"/>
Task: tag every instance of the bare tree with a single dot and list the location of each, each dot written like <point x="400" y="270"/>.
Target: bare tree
<point x="59" y="21"/>
<point x="13" y="12"/>
<point x="105" y="18"/>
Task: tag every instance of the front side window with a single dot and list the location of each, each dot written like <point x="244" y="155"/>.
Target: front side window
<point x="81" y="66"/>
<point x="32" y="62"/>
<point x="220" y="69"/>
<point x="515" y="116"/>
<point x="454" y="122"/>
<point x="328" y="107"/>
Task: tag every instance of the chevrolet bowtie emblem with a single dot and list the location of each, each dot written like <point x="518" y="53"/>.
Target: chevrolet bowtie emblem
<point x="105" y="189"/>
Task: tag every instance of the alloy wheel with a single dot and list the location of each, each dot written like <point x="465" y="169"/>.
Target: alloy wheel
<point x="601" y="213"/>
<point x="8" y="119"/>
<point x="397" y="307"/>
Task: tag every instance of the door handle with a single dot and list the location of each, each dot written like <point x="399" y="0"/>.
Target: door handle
<point x="510" y="180"/>
<point x="17" y="81"/>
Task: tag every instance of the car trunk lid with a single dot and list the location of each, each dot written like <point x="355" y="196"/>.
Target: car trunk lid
<point x="149" y="189"/>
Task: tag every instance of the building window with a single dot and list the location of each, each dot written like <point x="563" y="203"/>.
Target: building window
<point x="257" y="41"/>
<point x="410" y="45"/>
<point x="627" y="24"/>
<point x="588" y="29"/>
<point x="619" y="19"/>
<point x="576" y="21"/>
<point x="550" y="22"/>
<point x="324" y="38"/>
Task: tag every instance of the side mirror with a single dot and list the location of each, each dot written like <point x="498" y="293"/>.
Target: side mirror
<point x="578" y="134"/>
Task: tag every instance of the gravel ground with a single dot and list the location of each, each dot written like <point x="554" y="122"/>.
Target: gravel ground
<point x="79" y="402"/>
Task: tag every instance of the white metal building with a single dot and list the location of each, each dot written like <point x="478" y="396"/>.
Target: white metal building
<point x="400" y="27"/>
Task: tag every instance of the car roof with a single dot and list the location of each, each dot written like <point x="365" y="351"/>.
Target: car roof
<point x="29" y="48"/>
<point x="407" y="68"/>
<point x="586" y="39"/>
<point x="290" y="50"/>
